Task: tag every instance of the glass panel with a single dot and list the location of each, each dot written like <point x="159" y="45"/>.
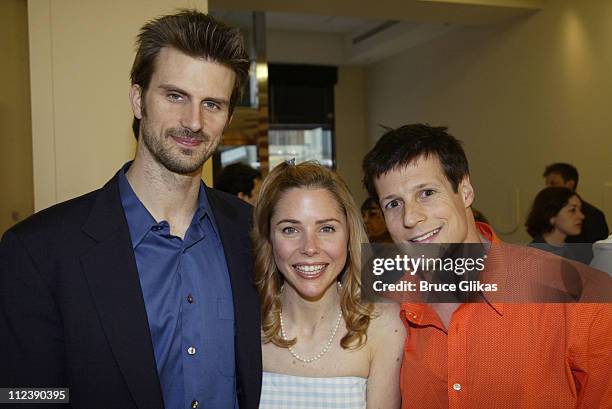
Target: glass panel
<point x="246" y="154"/>
<point x="301" y="144"/>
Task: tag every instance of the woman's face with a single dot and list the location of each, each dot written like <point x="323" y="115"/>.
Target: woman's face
<point x="309" y="236"/>
<point x="569" y="219"/>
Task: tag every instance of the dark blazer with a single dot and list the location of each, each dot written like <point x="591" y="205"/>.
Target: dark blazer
<point x="72" y="312"/>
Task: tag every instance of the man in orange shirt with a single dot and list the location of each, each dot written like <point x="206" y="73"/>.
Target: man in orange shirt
<point x="491" y="354"/>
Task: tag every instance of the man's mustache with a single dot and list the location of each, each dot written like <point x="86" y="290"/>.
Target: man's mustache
<point x="187" y="133"/>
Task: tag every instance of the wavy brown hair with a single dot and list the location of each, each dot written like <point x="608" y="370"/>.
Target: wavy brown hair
<point x="546" y="205"/>
<point x="269" y="280"/>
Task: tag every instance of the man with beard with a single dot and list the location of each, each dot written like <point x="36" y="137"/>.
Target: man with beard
<point x="139" y="295"/>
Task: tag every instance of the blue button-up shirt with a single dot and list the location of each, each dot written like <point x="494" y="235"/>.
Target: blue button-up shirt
<point x="189" y="304"/>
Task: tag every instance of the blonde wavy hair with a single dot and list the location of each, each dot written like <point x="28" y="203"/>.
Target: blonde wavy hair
<point x="269" y="280"/>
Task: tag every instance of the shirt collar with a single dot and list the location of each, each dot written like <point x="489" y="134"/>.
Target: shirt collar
<point x="139" y="219"/>
<point x="487" y="232"/>
<point x="495" y="268"/>
<point x="204" y="209"/>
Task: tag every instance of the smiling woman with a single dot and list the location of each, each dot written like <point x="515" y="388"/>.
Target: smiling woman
<point x="318" y="336"/>
<point x="310" y="252"/>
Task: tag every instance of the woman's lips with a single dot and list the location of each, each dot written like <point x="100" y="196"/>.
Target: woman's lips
<point x="309" y="271"/>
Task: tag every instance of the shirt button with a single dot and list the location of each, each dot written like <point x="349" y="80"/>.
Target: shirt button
<point x="195" y="404"/>
<point x="457" y="386"/>
<point x="190" y="299"/>
<point x="157" y="228"/>
<point x="191" y="350"/>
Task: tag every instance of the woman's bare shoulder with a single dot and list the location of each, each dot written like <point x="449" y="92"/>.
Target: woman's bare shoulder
<point x="386" y="321"/>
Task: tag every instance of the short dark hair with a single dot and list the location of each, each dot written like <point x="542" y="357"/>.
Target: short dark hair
<point x="237" y="178"/>
<point x="195" y="34"/>
<point x="399" y="147"/>
<point x="369" y="203"/>
<point x="546" y="205"/>
<point x="567" y="172"/>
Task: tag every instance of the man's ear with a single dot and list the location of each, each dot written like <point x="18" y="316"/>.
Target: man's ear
<point x="136" y="100"/>
<point x="467" y="191"/>
<point x="570" y="184"/>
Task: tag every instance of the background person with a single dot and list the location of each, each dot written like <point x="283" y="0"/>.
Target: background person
<point x="240" y="180"/>
<point x="602" y="258"/>
<point x="555" y="215"/>
<point x="322" y="346"/>
<point x="594" y="226"/>
<point x="374" y="222"/>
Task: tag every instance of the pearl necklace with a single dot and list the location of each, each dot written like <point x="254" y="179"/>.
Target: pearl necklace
<point x="325" y="348"/>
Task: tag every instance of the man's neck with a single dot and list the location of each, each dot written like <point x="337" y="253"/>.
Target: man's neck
<point x="445" y="311"/>
<point x="166" y="195"/>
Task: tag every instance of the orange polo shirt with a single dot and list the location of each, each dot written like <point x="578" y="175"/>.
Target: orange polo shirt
<point x="508" y="355"/>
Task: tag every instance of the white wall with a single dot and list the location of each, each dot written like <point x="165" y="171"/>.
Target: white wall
<point x="351" y="127"/>
<point x="530" y="92"/>
<point x="81" y="53"/>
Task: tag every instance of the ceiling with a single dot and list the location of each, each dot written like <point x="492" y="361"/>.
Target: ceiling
<point x="466" y="12"/>
<point x="366" y="32"/>
<point x="318" y="23"/>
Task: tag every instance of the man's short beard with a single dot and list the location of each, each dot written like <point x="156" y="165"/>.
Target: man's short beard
<point x="164" y="156"/>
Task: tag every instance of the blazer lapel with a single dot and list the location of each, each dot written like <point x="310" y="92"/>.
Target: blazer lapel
<point x="112" y="276"/>
<point x="233" y="229"/>
<point x="236" y="245"/>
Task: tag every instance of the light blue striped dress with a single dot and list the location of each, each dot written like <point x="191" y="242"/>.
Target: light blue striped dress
<point x="281" y="391"/>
